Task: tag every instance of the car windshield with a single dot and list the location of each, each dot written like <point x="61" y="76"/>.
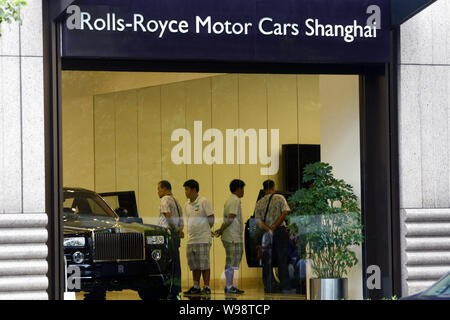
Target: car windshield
<point x="86" y="203"/>
<point x="441" y="288"/>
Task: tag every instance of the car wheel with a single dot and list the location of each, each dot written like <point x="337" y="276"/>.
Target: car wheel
<point x="154" y="293"/>
<point x="95" y="295"/>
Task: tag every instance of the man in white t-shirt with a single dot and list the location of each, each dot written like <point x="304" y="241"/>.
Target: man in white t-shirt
<point x="171" y="216"/>
<point x="231" y="231"/>
<point x="199" y="221"/>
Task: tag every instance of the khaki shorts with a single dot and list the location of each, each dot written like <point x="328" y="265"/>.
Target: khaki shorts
<point x="198" y="256"/>
<point x="233" y="253"/>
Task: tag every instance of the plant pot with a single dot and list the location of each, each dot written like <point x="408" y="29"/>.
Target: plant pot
<point x="328" y="289"/>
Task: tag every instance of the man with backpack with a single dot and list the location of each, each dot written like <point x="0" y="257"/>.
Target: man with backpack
<point x="270" y="214"/>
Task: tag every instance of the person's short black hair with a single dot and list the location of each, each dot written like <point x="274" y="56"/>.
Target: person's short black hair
<point x="192" y="184"/>
<point x="236" y="184"/>
<point x="268" y="185"/>
<point x="165" y="185"/>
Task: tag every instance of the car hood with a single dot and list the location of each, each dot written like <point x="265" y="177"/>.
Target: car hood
<point x="82" y="224"/>
<point x="419" y="297"/>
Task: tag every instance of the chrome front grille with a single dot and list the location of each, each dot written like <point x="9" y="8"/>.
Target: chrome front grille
<point x="119" y="246"/>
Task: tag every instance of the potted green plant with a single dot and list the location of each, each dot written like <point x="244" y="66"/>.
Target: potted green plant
<point x="326" y="219"/>
<point x="10" y="11"/>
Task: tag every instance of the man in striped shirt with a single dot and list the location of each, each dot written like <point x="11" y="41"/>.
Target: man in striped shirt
<point x="171" y="216"/>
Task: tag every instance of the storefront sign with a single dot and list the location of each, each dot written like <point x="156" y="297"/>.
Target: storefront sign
<point x="303" y="31"/>
<point x="402" y="10"/>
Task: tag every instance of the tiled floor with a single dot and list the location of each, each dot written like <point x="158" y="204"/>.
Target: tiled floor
<point x="250" y="294"/>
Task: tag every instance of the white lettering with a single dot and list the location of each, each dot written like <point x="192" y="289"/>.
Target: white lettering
<point x="295" y="30"/>
<point x="347" y="32"/>
<point x="183" y="26"/>
<point x="171" y="26"/>
<point x="163" y="26"/>
<point x="121" y="25"/>
<point x="181" y="153"/>
<point x="237" y="139"/>
<point x="191" y="310"/>
<point x="198" y="142"/>
<point x="273" y="160"/>
<point x="219" y="27"/>
<point x="213" y="153"/>
<point x="278" y="29"/>
<point x="310" y="27"/>
<point x="100" y="24"/>
<point x="152" y="26"/>
<point x="238" y="28"/>
<point x="138" y="22"/>
<point x="241" y="145"/>
<point x="261" y="28"/>
<point x="85" y="20"/>
<point x="202" y="23"/>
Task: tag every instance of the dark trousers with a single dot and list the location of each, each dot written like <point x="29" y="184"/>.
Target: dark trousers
<point x="277" y="253"/>
<point x="176" y="285"/>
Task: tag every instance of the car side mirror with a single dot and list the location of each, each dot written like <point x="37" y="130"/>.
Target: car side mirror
<point x="121" y="212"/>
<point x="69" y="213"/>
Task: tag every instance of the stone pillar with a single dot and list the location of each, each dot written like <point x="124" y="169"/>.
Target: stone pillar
<point x="424" y="147"/>
<point x="23" y="220"/>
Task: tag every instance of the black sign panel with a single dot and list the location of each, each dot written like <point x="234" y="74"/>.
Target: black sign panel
<point x="291" y="31"/>
<point x="402" y="10"/>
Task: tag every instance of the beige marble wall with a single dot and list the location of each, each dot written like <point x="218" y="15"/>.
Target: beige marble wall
<point x="340" y="146"/>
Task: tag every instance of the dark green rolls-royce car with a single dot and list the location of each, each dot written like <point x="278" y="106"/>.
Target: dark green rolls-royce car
<point x="103" y="254"/>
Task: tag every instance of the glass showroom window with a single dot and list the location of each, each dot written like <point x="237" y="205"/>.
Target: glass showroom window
<point x="125" y="132"/>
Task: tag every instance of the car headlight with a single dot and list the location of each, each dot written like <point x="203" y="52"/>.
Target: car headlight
<point x="156" y="255"/>
<point x="78" y="257"/>
<point x="74" y="242"/>
<point x="155" y="239"/>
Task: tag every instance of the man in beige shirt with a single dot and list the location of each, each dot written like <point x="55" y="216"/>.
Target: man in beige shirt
<point x="270" y="214"/>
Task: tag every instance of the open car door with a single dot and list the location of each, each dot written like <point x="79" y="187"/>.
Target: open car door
<point x="124" y="204"/>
